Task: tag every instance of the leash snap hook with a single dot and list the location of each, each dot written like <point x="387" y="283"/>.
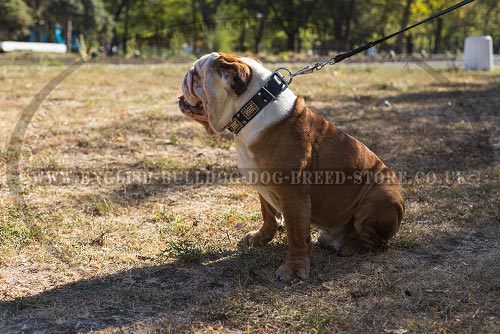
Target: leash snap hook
<point x="306" y="70"/>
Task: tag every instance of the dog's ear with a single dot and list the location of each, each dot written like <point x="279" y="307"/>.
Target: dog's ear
<point x="254" y="58"/>
<point x="234" y="71"/>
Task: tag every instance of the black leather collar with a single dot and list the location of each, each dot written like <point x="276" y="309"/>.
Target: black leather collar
<point x="274" y="86"/>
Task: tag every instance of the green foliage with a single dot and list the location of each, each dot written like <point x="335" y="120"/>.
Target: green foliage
<point x="89" y="17"/>
<point x="220" y="40"/>
<point x="15" y="18"/>
<point x="162" y="28"/>
<point x="97" y="23"/>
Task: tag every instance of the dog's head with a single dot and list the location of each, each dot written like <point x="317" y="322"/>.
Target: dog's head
<point x="213" y="89"/>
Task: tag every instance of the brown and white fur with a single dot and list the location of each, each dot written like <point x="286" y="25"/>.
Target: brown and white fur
<point x="287" y="136"/>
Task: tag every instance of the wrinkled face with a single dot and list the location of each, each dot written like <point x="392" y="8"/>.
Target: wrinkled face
<point x="211" y="90"/>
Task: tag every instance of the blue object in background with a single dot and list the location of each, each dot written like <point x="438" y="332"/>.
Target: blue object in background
<point x="58" y="33"/>
<point x="32" y="37"/>
<point x="371" y="52"/>
<point x="74" y="44"/>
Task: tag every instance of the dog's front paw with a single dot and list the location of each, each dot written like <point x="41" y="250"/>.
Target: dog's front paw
<point x="294" y="267"/>
<point x="254" y="238"/>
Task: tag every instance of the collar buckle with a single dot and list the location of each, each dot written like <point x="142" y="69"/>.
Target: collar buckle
<point x="284" y="83"/>
<point x="272" y="96"/>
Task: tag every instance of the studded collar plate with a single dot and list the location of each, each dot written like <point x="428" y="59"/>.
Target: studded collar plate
<point x="274" y="86"/>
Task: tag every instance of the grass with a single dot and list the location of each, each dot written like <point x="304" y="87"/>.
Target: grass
<point x="15" y="235"/>
<point x="184" y="251"/>
<point x="122" y="248"/>
<point x="233" y="216"/>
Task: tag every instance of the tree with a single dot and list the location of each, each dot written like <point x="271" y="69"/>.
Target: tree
<point x="293" y="15"/>
<point x="96" y="22"/>
<point x="151" y="22"/>
<point x="404" y="22"/>
<point x="87" y="17"/>
<point x="252" y="24"/>
<point x="260" y="12"/>
<point x="208" y="11"/>
<point x="16" y="18"/>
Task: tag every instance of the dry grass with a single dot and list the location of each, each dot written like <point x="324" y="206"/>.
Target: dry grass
<point x="158" y="256"/>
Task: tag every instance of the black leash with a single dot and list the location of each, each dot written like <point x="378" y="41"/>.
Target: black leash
<point x="277" y="83"/>
<point x="338" y="58"/>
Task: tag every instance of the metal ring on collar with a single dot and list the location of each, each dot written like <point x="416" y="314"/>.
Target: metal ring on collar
<point x="290" y="76"/>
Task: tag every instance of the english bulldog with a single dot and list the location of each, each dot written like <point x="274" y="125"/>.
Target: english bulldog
<point x="328" y="179"/>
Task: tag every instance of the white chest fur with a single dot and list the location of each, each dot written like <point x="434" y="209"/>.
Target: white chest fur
<point x="274" y="112"/>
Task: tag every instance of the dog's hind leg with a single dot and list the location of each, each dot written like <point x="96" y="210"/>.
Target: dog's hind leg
<point x="266" y="233"/>
<point x="377" y="220"/>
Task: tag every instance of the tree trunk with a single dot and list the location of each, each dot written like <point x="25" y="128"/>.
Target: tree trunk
<point x="404" y="23"/>
<point x="125" y="29"/>
<point x="348" y="18"/>
<point x="69" y="32"/>
<point x="409" y="44"/>
<point x="258" y="36"/>
<point x="206" y="13"/>
<point x="290" y="44"/>
<point x="437" y="37"/>
<point x="195" y="31"/>
<point x="241" y="39"/>
<point x="337" y="33"/>
<point x="114" y="41"/>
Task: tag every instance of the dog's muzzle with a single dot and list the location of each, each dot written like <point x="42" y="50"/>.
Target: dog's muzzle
<point x="184" y="105"/>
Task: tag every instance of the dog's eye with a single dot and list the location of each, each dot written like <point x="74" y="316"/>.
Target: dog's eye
<point x="196" y="74"/>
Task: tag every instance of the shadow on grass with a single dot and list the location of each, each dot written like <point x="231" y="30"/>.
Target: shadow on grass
<point x="471" y="95"/>
<point x="178" y="295"/>
<point x="440" y="131"/>
<point x="472" y="102"/>
<point x="174" y="294"/>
